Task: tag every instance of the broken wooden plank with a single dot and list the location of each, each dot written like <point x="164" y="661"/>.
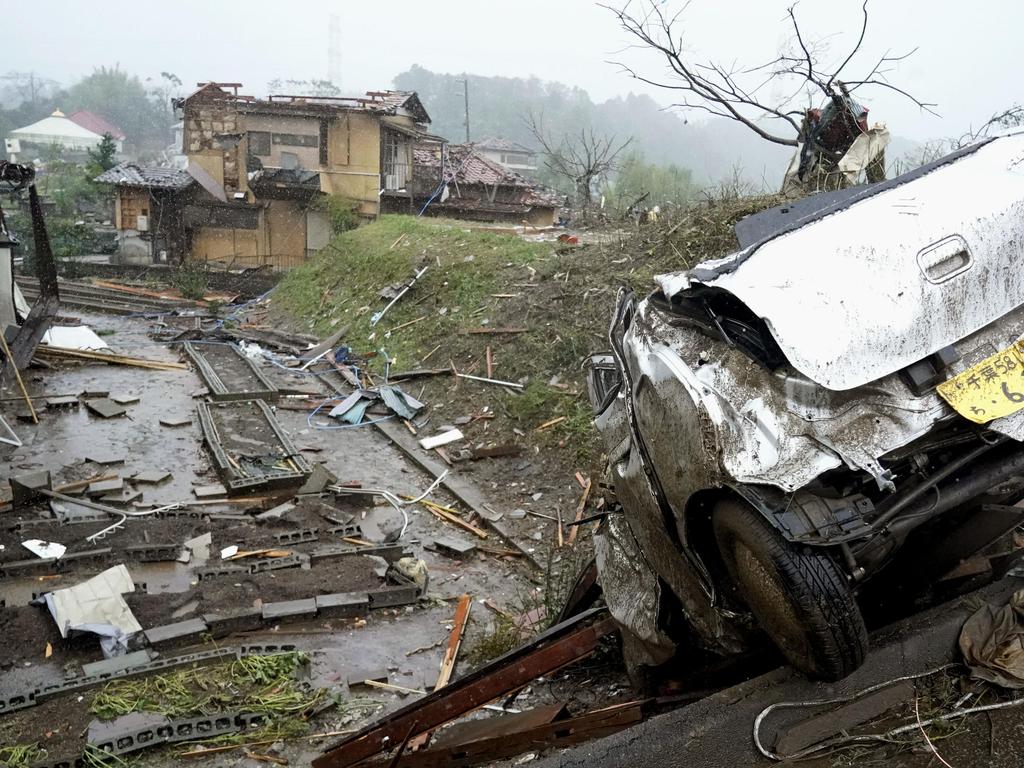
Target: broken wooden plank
<point x="574" y="529"/>
<point x="554" y="649"/>
<point x="110" y="358"/>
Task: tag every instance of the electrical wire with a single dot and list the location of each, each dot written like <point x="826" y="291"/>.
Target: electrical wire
<point x="392" y="499"/>
<point x="886" y="736"/>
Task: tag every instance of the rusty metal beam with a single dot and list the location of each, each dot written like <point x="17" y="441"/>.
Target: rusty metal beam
<point x="558" y="647"/>
<point x="531" y="737"/>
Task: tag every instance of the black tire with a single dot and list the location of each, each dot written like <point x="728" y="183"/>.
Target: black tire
<point x="799" y="596"/>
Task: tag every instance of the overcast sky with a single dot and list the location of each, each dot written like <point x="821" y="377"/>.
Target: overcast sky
<point x="968" y="60"/>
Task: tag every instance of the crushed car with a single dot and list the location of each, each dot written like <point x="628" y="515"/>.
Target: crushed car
<point x="798" y="430"/>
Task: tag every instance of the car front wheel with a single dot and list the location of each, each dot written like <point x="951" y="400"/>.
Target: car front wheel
<point x="799" y="595"/>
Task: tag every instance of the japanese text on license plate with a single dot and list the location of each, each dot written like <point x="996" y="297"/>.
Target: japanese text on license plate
<point x="989" y="390"/>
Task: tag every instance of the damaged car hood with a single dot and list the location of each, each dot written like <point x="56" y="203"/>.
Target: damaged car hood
<point x="888" y="277"/>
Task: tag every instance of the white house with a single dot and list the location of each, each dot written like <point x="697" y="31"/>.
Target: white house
<point x="59" y="129"/>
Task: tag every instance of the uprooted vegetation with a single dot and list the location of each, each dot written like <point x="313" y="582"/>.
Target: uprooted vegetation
<point x="540" y="306"/>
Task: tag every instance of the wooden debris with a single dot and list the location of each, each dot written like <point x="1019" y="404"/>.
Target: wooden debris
<point x="429" y="354"/>
<point x="451" y="516"/>
<point x="550" y="423"/>
<point x="17" y="374"/>
<point x="260" y="553"/>
<point x="110" y="358"/>
<point x="405" y="325"/>
<point x="574" y="529"/>
<point x="451" y="654"/>
<point x="490" y="363"/>
<point x="444" y="438"/>
<point x="505" y="329"/>
<point x="513" y="384"/>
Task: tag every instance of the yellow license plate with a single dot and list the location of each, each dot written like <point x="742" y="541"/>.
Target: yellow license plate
<point x="989" y="390"/>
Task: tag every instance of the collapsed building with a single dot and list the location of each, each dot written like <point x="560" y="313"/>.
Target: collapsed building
<point x="257" y="171"/>
<point x="458" y="180"/>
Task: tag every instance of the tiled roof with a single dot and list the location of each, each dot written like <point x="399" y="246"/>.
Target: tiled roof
<point x="503" y="145"/>
<point x="465" y="165"/>
<point x="134" y="175"/>
<point x="96" y="124"/>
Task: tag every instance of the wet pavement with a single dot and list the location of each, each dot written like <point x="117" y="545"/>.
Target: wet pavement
<point x="66" y="439"/>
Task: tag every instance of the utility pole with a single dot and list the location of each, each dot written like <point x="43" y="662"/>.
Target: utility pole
<point x="465" y="94"/>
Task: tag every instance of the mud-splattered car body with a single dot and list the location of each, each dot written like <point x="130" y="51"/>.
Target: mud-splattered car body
<point x="798" y="376"/>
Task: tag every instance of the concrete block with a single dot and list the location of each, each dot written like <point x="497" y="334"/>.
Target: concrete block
<point x="318" y="480"/>
<point x="209" y="491"/>
<point x="153" y="553"/>
<point x="105" y="486"/>
<point x="385" y="598"/>
<point x="276" y="513"/>
<point x="25" y="488"/>
<point x="178" y="633"/>
<point x="105" y="408"/>
<point x="71" y="401"/>
<point x="342" y="605"/>
<point x="224" y="623"/>
<point x="108" y="667"/>
<point x="104" y="457"/>
<point x="176" y="421"/>
<point x="277" y="563"/>
<point x="350" y="530"/>
<point x="297" y="537"/>
<point x="131" y="732"/>
<point x="217" y="571"/>
<point x="124" y="497"/>
<point x="290" y="610"/>
<point x="99" y="555"/>
<point x="454" y="547"/>
<point x="152" y="476"/>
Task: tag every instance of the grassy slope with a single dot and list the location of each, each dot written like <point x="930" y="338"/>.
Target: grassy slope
<point x="563" y="296"/>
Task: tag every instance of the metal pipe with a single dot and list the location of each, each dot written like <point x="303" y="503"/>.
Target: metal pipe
<point x="979" y="481"/>
<point x="930" y="482"/>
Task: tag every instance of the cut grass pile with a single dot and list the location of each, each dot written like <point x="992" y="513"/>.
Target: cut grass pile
<point x="258" y="684"/>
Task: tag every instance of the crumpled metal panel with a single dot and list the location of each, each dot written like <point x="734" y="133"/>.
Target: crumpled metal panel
<point x="860" y="294"/>
<point x="631" y="591"/>
<point x="780" y="428"/>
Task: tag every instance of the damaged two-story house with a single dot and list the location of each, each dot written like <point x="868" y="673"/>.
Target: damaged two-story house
<point x="258" y="171"/>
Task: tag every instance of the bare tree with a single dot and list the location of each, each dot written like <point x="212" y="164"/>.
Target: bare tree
<point x="738" y="91"/>
<point x="583" y="158"/>
<point x="29" y="88"/>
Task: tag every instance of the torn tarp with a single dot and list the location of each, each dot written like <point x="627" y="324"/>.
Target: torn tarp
<point x="353" y="408"/>
<point x="97" y="606"/>
<point x="992" y="642"/>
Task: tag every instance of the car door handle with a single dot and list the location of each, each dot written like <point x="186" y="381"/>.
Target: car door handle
<point x="945" y="259"/>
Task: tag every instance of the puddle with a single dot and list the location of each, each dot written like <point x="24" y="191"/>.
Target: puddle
<point x="159" y="578"/>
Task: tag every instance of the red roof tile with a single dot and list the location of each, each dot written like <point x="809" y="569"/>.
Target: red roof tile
<point x="93" y="122"/>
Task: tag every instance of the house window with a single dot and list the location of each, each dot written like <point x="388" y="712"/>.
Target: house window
<point x="323" y="142"/>
<point x="259" y="143"/>
<point x="295" y="140"/>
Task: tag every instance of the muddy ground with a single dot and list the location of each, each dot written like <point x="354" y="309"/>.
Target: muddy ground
<point x="67" y="441"/>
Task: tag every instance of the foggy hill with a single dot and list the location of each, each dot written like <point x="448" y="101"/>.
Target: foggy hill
<point x="713" y="150"/>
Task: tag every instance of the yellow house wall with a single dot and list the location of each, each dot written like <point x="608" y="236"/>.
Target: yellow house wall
<point x="309" y="157"/>
<point x="353" y="154"/>
<point x="278" y="241"/>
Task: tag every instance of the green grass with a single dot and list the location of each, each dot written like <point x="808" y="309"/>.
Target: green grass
<point x="340" y="287"/>
<point x="21" y="755"/>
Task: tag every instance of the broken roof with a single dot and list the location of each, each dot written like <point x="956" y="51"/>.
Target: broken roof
<point x="133" y="175"/>
<point x="464" y="164"/>
<point x="497" y="144"/>
<point x="378" y="102"/>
